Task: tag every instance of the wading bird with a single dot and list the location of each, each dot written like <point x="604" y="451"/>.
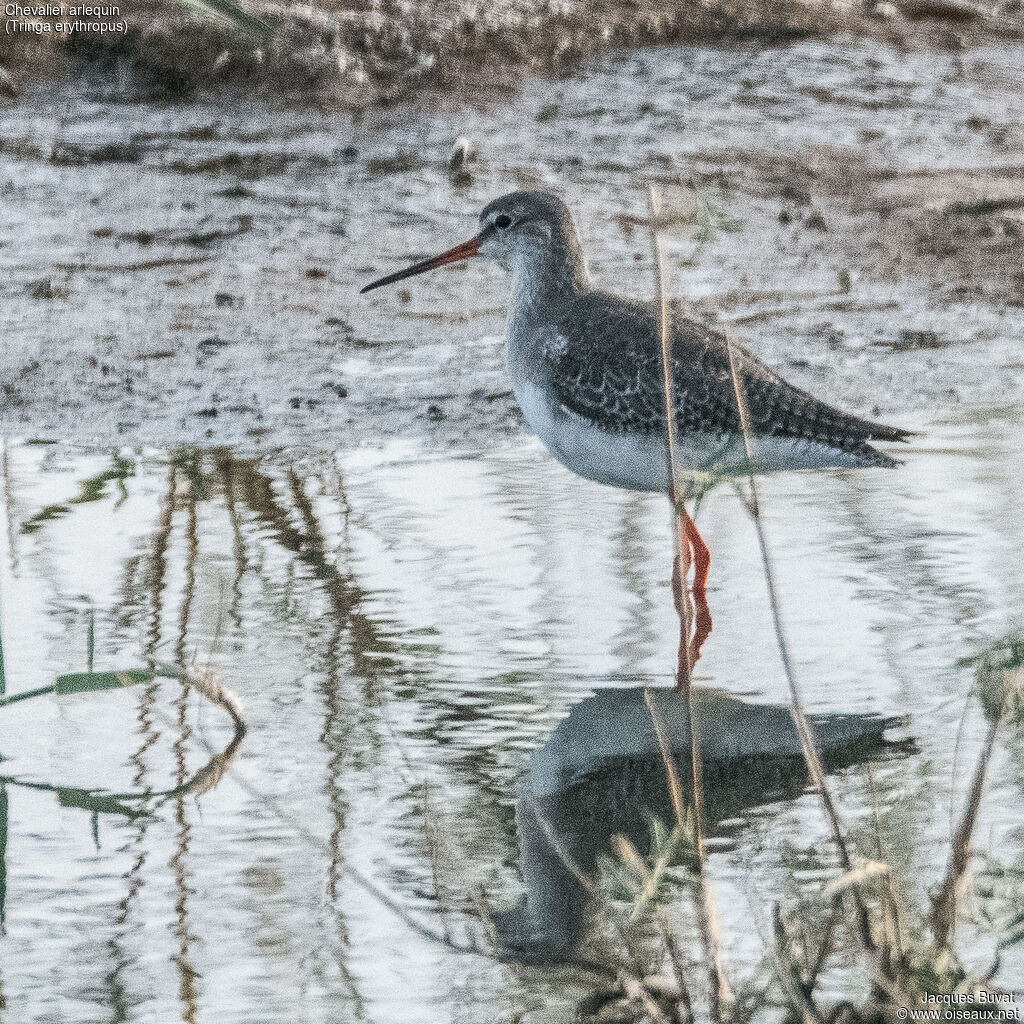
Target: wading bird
<point x="587" y="371"/>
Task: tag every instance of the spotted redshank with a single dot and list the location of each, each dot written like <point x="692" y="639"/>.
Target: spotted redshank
<point x="586" y="368"/>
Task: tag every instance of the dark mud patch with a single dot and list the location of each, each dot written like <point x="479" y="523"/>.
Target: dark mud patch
<point x="202" y="235"/>
<point x="72" y="154"/>
<point x="973" y="220"/>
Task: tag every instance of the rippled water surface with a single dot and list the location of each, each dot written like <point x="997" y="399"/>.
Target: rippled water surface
<point x="407" y="634"/>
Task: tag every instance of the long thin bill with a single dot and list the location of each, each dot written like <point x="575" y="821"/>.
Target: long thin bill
<point x="459" y="252"/>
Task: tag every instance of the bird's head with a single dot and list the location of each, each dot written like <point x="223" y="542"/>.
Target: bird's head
<point x="517" y="231"/>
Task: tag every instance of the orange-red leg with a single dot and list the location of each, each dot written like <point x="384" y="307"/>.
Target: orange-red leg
<point x="695" y="626"/>
<point x="695" y="622"/>
<point x="699" y="552"/>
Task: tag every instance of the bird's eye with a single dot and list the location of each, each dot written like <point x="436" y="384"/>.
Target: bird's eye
<point x="503" y="221"/>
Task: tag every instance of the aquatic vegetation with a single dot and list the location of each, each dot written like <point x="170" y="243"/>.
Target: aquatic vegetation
<point x="92" y="489"/>
<point x="614" y="850"/>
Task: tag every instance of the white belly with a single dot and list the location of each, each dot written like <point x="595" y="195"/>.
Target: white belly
<point x="639" y="462"/>
<point x="634" y="461"/>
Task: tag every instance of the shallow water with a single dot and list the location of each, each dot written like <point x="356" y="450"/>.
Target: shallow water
<point x="395" y="618"/>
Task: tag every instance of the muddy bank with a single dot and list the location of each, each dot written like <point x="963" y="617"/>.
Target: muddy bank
<point x="357" y="53"/>
<point x="182" y="273"/>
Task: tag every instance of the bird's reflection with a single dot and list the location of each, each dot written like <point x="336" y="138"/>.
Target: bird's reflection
<point x="601" y="773"/>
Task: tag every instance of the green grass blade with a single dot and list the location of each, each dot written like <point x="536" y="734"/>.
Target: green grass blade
<point x="98" y="803"/>
<point x="13" y="698"/>
<point x="91" y="682"/>
<point x="90" y="644"/>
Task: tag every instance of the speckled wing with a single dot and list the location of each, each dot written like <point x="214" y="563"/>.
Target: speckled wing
<point x="606" y="364"/>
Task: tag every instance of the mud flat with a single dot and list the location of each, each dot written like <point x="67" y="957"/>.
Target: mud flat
<point x="189" y="271"/>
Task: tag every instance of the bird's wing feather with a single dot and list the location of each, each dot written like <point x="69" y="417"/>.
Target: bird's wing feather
<point x="623" y="390"/>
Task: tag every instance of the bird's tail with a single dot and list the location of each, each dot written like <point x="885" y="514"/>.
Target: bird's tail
<point x="881" y="432"/>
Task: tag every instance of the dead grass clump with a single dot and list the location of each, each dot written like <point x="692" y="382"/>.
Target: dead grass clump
<point x="360" y="52"/>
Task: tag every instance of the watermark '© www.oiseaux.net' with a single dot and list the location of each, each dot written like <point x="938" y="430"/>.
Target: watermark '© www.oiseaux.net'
<point x="962" y="1006"/>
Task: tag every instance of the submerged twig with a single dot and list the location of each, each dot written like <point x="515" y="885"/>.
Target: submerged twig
<point x="209" y="685"/>
<point x="943" y="917"/>
<point x="789" y="973"/>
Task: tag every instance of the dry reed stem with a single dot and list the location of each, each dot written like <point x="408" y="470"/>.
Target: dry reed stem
<point x="944" y="905"/>
<point x="684" y="1008"/>
<point x="637" y="992"/>
<point x="674" y="786"/>
<point x="803" y="728"/>
<point x="684" y="667"/>
<point x="564" y="855"/>
<point x="654" y="209"/>
<point x="789" y="974"/>
<point x="717" y="982"/>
